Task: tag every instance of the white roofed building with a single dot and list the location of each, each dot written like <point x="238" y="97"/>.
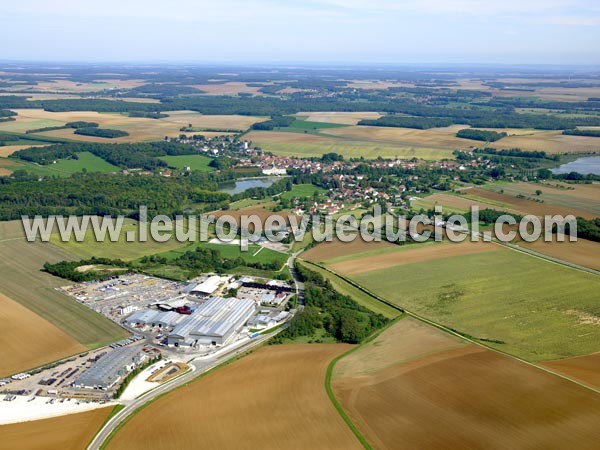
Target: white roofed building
<point x="214" y="322"/>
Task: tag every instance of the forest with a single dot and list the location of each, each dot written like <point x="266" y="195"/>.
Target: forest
<point x="339" y="315"/>
<point x="480" y="135"/>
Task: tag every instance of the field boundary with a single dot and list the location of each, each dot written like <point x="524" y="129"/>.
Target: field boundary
<point x="329" y="374"/>
<point x="461" y="335"/>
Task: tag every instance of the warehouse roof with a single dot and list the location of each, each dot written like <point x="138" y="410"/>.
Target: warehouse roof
<point x="216" y="317"/>
<point x="109" y="368"/>
<point x="208" y="286"/>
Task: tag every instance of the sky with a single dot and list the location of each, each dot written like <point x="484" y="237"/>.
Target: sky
<point x="324" y="31"/>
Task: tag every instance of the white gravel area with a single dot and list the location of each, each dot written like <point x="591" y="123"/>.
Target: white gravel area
<point x="23" y="410"/>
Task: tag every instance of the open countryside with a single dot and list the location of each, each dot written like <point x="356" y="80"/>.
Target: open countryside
<point x="410" y="385"/>
<point x="301" y="417"/>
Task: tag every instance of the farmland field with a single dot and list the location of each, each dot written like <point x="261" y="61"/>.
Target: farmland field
<point x="582" y="252"/>
<point x="70" y="432"/>
<point x="139" y="128"/>
<point x="29" y="341"/>
<point x="194" y="162"/>
<point x="342" y="118"/>
<point x="63" y="167"/>
<point x="549" y="141"/>
<point x="433" y="138"/>
<point x="583" y="368"/>
<point x="530" y="308"/>
<point x="120" y="249"/>
<point x="345" y="288"/>
<point x="338" y="249"/>
<point x="24" y="282"/>
<point x="280" y="388"/>
<point x="416" y="387"/>
<point x="584" y="197"/>
<point x="307" y="145"/>
<point x="8" y="150"/>
<point x="409" y="254"/>
<point x="523" y="205"/>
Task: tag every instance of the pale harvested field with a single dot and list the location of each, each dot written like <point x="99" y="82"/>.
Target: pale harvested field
<point x="440" y="138"/>
<point x="583" y="368"/>
<point x="437" y="394"/>
<point x="274" y="398"/>
<point x="228" y="88"/>
<point x="336" y="249"/>
<point x="139" y="129"/>
<point x="376" y="84"/>
<point x="27" y="340"/>
<point x="411" y="254"/>
<point x="525" y="206"/>
<point x="236" y="122"/>
<point x="405" y="341"/>
<point x="260" y="137"/>
<point x="4" y="172"/>
<point x="343" y="118"/>
<point x="549" y="141"/>
<point x="70" y="432"/>
<point x="8" y="150"/>
<point x="453" y="201"/>
<point x="584" y="197"/>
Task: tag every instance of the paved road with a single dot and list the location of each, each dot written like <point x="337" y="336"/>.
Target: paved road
<point x="199" y="366"/>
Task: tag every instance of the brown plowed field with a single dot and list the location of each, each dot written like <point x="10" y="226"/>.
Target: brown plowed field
<point x="274" y="398"/>
<point x="524" y="206"/>
<point x="583" y="368"/>
<point x="412" y="254"/>
<point x="71" y="432"/>
<point x="456" y="397"/>
<point x="27" y="340"/>
<point x="582" y="252"/>
<point x="336" y="249"/>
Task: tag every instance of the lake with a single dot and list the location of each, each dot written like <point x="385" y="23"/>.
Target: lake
<point x="586" y="165"/>
<point x="242" y="185"/>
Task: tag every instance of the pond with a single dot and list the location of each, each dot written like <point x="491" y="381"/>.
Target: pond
<point x="585" y="165"/>
<point x="242" y="185"/>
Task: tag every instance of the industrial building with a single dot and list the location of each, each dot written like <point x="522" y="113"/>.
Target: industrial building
<point x="208" y="286"/>
<point x="111" y="368"/>
<point x="213" y="323"/>
<point x="156" y="318"/>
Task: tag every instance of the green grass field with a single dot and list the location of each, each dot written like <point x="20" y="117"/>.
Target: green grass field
<point x="195" y="162"/>
<point x="64" y="167"/>
<point x="255" y="252"/>
<point x="120" y="249"/>
<point x="303" y="190"/>
<point x="23" y="281"/>
<point x="540" y="310"/>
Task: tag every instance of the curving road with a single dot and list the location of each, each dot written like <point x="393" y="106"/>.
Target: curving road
<point x="199" y="366"/>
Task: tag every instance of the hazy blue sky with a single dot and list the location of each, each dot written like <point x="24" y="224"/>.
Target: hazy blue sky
<point x="392" y="31"/>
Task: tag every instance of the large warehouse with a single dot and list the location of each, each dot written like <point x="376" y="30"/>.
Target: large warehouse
<point x="213" y="323"/>
<point x="111" y="368"/>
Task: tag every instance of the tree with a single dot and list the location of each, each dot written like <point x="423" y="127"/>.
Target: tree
<point x="538" y="192"/>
